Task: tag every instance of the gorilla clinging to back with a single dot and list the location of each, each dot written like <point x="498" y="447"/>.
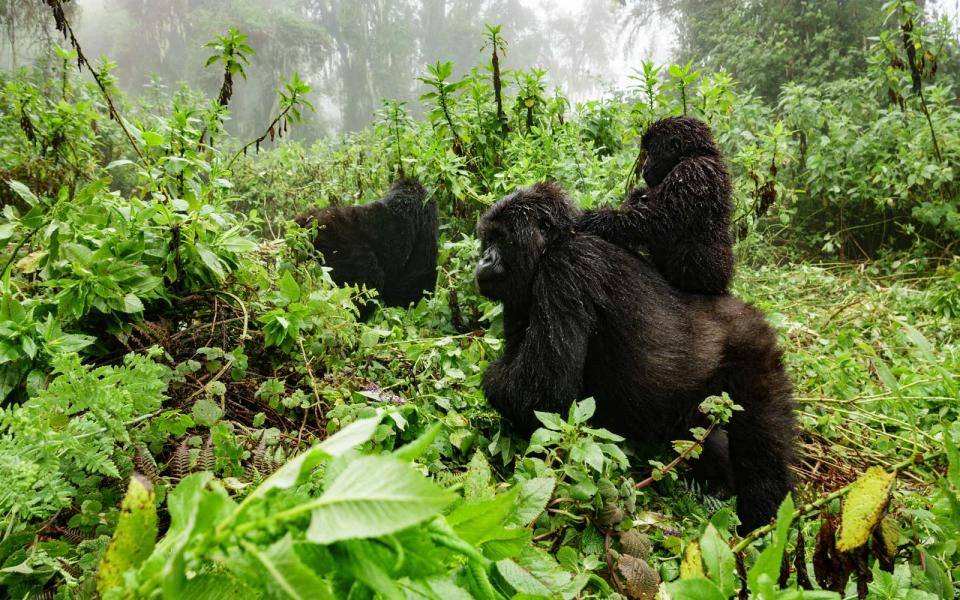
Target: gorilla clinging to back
<point x="389" y="245"/>
<point x="683" y="219"/>
<point x="583" y="317"/>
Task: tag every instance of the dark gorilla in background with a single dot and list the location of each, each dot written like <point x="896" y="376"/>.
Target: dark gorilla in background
<point x="683" y="218"/>
<point x="389" y="245"/>
<point x="583" y="317"/>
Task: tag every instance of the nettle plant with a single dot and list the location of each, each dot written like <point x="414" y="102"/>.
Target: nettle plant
<point x="334" y="523"/>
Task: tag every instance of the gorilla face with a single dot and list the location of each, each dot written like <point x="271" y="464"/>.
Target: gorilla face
<point x="670" y="140"/>
<point x="514" y="234"/>
<point x="492" y="275"/>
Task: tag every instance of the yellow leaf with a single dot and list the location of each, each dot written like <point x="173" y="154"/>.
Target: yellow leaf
<point x="134" y="537"/>
<point x="863" y="508"/>
<point x="692" y="563"/>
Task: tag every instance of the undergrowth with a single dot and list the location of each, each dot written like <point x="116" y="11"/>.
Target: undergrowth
<point x="189" y="407"/>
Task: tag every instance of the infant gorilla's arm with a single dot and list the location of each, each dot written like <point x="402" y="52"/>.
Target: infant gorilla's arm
<point x="627" y="226"/>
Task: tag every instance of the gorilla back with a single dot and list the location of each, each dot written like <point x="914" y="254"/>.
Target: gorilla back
<point x="583" y="317"/>
<point x="389" y="245"/>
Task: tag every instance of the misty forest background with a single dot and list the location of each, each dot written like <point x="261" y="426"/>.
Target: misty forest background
<point x="189" y="407"/>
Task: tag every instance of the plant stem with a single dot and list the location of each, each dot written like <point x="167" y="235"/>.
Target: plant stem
<point x="823" y="501"/>
<point x="676" y="461"/>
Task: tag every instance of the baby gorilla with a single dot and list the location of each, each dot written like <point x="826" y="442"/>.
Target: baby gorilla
<point x="683" y="219"/>
<point x="583" y="317"/>
<point x="389" y="245"/>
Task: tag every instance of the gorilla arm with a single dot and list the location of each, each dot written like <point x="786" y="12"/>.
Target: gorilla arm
<point x="542" y="369"/>
<point x="625" y="226"/>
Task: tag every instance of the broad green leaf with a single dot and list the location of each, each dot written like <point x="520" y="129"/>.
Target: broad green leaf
<point x="550" y="420"/>
<point x="211" y="260"/>
<point x="414" y="449"/>
<point x="719" y="560"/>
<point x="583" y="410"/>
<point x="289" y="288"/>
<point x="194" y="510"/>
<point x="135" y="535"/>
<point x="536" y="573"/>
<point x="284" y="575"/>
<point x="863" y="507"/>
<point x="23" y="191"/>
<point x="343" y="441"/>
<point x="206" y="412"/>
<point x="696" y="588"/>
<point x="477" y="522"/>
<point x="216" y="586"/>
<point x="534" y="496"/>
<point x="152" y="138"/>
<point x="768" y="563"/>
<point x="373" y="496"/>
<point x="588" y="452"/>
<point x="521" y="580"/>
<point x="478" y="483"/>
<point x="362" y="563"/>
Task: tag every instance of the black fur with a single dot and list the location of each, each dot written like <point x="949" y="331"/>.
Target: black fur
<point x="683" y="218"/>
<point x="389" y="245"/>
<point x="583" y="317"/>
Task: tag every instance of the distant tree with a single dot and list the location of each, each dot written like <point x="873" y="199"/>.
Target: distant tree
<point x="25" y="26"/>
<point x="766" y="43"/>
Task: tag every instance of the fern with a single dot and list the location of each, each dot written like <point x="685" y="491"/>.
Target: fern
<point x="74" y="426"/>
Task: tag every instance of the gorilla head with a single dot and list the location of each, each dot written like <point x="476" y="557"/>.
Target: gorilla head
<point x="670" y="140"/>
<point x="516" y="233"/>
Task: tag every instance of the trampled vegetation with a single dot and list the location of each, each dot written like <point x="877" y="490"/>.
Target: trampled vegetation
<point x="190" y="408"/>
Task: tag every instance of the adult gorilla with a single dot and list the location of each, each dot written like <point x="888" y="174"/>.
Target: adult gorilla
<point x="583" y="317"/>
<point x="389" y="245"/>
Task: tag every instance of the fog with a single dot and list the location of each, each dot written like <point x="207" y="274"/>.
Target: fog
<point x="356" y="53"/>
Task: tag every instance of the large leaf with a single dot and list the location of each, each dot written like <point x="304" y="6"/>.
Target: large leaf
<point x="863" y="508"/>
<point x="536" y="573"/>
<point x="343" y="441"/>
<point x="534" y="496"/>
<point x="373" y="496"/>
<point x="284" y="575"/>
<point x="719" y="560"/>
<point x="476" y="522"/>
<point x="196" y="505"/>
<point x="769" y="561"/>
<point x="696" y="588"/>
<point x="134" y="538"/>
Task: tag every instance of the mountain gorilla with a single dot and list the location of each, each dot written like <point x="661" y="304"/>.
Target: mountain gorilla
<point x="583" y="317"/>
<point x="683" y="219"/>
<point x="389" y="245"/>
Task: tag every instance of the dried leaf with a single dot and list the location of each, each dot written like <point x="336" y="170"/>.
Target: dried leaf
<point x="634" y="543"/>
<point x="641" y="582"/>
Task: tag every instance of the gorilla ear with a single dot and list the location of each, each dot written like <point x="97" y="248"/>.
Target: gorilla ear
<point x="674" y="144"/>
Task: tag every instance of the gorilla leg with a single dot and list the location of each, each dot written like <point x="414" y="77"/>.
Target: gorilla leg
<point x="762" y="434"/>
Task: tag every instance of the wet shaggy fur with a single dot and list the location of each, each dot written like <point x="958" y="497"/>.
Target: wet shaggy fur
<point x="583" y="317"/>
<point x="389" y="245"/>
<point x="683" y="218"/>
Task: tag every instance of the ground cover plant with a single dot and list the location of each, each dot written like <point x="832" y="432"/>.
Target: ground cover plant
<point x="190" y="407"/>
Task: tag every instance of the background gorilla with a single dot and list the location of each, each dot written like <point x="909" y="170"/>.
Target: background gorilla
<point x="683" y="219"/>
<point x="389" y="245"/>
<point x="583" y="317"/>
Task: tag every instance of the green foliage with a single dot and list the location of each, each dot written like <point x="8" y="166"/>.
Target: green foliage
<point x="300" y="453"/>
<point x="64" y="440"/>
